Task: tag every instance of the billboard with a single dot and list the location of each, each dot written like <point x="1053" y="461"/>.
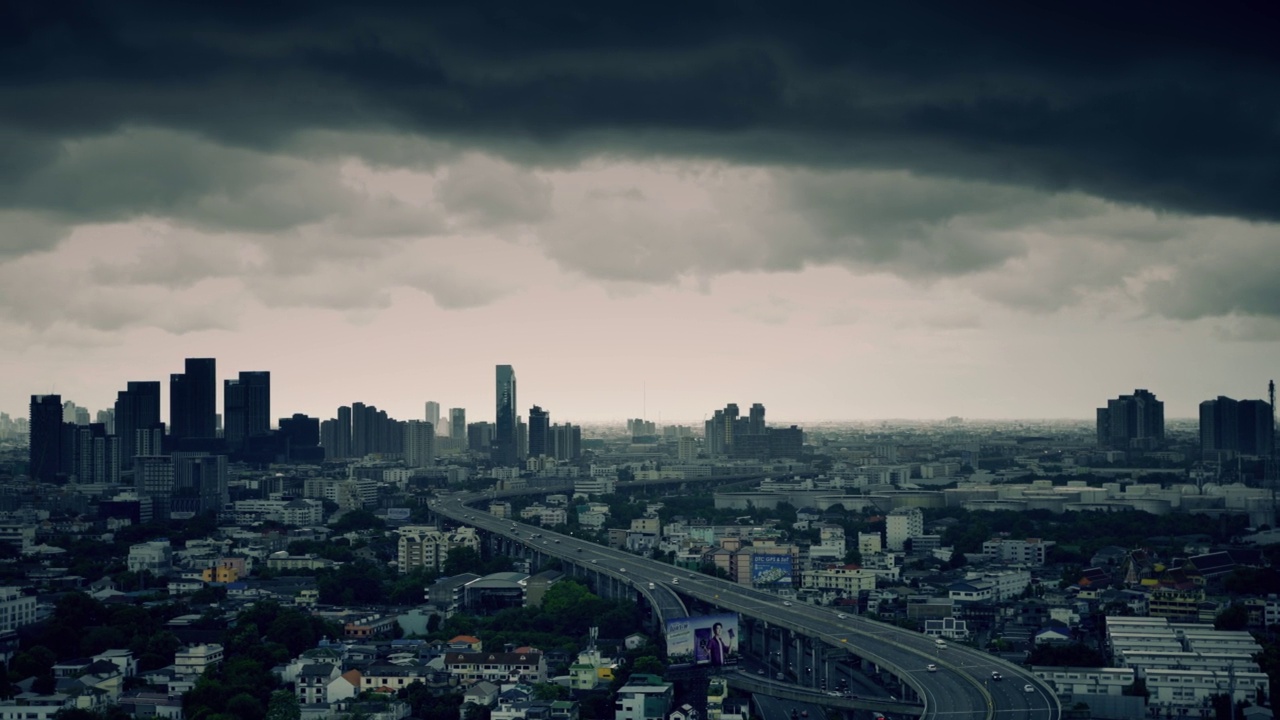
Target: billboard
<point x="707" y="640"/>
<point x="772" y="570"/>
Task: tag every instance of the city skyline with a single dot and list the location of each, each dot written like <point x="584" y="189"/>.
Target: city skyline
<point x="646" y="218"/>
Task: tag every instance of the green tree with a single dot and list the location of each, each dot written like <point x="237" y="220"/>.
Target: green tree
<point x="1234" y="617"/>
<point x="244" y="705"/>
<point x="550" y="692"/>
<point x="649" y="665"/>
<point x="283" y="706"/>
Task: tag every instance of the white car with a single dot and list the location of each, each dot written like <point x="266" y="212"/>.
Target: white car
<point x="842" y="616"/>
<point x="1028" y="688"/>
<point x="675" y="581"/>
<point x="787" y="603"/>
<point x="931" y="667"/>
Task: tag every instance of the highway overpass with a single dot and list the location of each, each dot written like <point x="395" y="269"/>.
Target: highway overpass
<point x="791" y="635"/>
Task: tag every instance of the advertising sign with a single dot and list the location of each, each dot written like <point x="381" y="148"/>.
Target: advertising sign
<point x="771" y="570"/>
<point x="708" y="640"/>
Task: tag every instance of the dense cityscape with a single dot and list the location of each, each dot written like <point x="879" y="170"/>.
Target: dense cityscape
<point x="498" y="360"/>
<point x="205" y="564"/>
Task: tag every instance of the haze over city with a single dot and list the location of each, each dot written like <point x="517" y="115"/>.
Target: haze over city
<point x="891" y="213"/>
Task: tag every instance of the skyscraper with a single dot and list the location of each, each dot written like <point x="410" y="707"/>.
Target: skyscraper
<point x="1245" y="426"/>
<point x="757" y="426"/>
<point x="1131" y="422"/>
<point x="506" y="442"/>
<point x="137" y="409"/>
<point x="458" y="426"/>
<point x="193" y="400"/>
<point x="432" y="414"/>
<point x="419" y="443"/>
<point x="1257" y="427"/>
<point x="539" y="432"/>
<point x="342" y="435"/>
<point x="1219" y="425"/>
<point x="246" y="405"/>
<point x="45" y="437"/>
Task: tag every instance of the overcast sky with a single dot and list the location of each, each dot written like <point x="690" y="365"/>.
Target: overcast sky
<point x="904" y="210"/>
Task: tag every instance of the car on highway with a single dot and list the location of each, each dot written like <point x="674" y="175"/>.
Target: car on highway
<point x="931" y="667"/>
<point x="787" y="603"/>
<point x="622" y="569"/>
<point x="842" y="616"/>
<point x="593" y="562"/>
<point x="996" y="676"/>
<point x="675" y="581"/>
<point x="1028" y="688"/>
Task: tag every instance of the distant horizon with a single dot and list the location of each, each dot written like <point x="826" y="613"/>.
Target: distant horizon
<point x="646" y="218"/>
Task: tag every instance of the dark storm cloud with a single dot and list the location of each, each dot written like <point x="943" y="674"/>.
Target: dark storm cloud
<point x="1158" y="105"/>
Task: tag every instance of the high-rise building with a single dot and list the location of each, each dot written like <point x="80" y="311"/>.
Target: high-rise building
<point x="193" y="400"/>
<point x="539" y="432"/>
<point x="1131" y="422"/>
<point x="95" y="454"/>
<point x="137" y="410"/>
<point x="432" y="414"/>
<point x="108" y="420"/>
<point x="506" y="440"/>
<point x="566" y="442"/>
<point x="1257" y="426"/>
<point x="246" y="408"/>
<point x="756" y="417"/>
<point x="1228" y="426"/>
<point x="480" y="437"/>
<point x="1219" y="425"/>
<point x="199" y="482"/>
<point x="342" y="435"/>
<point x="45" y="438"/>
<point x="419" y="443"/>
<point x="361" y="431"/>
<point x="458" y="426"/>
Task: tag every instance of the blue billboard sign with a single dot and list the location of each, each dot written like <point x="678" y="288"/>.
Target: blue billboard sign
<point x="771" y="570"/>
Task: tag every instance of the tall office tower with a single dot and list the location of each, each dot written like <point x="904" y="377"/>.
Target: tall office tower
<point x="713" y="431"/>
<point x="522" y="439"/>
<point x="360" y="430"/>
<point x="137" y="409"/>
<point x="300" y="430"/>
<point x="539" y="432"/>
<point x="1219" y="425"/>
<point x="246" y="403"/>
<point x="419" y="443"/>
<point x="756" y="424"/>
<point x="458" y="426"/>
<point x="506" y="440"/>
<point x="153" y="481"/>
<point x="193" y="400"/>
<point x="96" y="455"/>
<point x="730" y="425"/>
<point x="45" y="437"/>
<point x="329" y="438"/>
<point x="566" y="442"/>
<point x="1131" y="422"/>
<point x="108" y="420"/>
<point x="199" y="482"/>
<point x="74" y="414"/>
<point x="480" y="437"/>
<point x="342" y="435"/>
<point x="1257" y="428"/>
<point x="432" y="414"/>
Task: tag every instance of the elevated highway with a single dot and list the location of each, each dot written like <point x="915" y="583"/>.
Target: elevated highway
<point x="795" y="635"/>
